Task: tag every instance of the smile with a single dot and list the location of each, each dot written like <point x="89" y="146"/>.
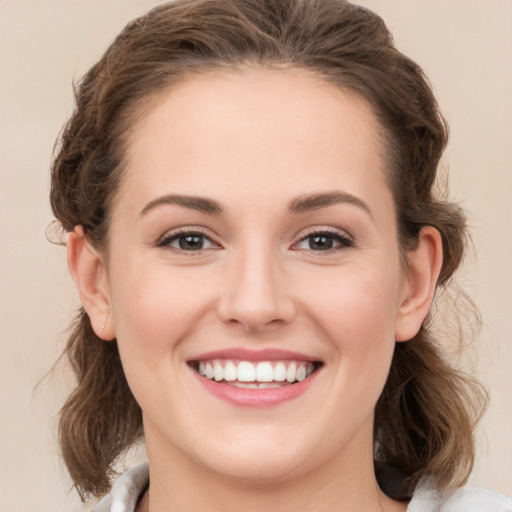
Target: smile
<point x="260" y="375"/>
<point x="264" y="378"/>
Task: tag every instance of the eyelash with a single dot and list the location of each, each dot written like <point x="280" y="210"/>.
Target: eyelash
<point x="344" y="242"/>
<point x="168" y="239"/>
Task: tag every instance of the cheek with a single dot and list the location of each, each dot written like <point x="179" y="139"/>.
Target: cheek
<point x="357" y="304"/>
<point x="356" y="312"/>
<point x="154" y="308"/>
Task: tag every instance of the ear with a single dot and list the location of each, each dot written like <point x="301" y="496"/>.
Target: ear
<point x="88" y="271"/>
<point x="424" y="266"/>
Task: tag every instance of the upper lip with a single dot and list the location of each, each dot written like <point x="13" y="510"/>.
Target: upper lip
<point x="244" y="354"/>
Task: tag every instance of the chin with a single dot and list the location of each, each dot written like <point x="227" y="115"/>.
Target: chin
<point x="261" y="468"/>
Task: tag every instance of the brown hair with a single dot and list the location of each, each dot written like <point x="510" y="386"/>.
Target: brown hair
<point x="426" y="415"/>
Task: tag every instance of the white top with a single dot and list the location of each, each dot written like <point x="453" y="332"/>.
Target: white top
<point x="132" y="484"/>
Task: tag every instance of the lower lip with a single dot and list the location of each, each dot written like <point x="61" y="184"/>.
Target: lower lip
<point x="256" y="397"/>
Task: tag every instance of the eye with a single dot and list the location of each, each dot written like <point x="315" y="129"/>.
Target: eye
<point x="189" y="241"/>
<point x="323" y="241"/>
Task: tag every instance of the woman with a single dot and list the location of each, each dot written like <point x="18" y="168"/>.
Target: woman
<point x="247" y="187"/>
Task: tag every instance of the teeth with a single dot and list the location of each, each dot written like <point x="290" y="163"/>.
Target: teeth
<point x="264" y="372"/>
<point x="245" y="385"/>
<point x="218" y="371"/>
<point x="246" y="372"/>
<point x="291" y="372"/>
<point x="262" y="375"/>
<point x="230" y="372"/>
<point x="280" y="372"/>
<point x="252" y="385"/>
<point x="301" y="373"/>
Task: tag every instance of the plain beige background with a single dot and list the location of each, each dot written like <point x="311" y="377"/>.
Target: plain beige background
<point x="464" y="45"/>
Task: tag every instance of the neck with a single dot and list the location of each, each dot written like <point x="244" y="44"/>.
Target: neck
<point x="342" y="483"/>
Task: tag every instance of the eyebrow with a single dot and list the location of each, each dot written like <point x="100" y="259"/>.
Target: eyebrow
<point x="200" y="204"/>
<point x="309" y="202"/>
<point x="300" y="204"/>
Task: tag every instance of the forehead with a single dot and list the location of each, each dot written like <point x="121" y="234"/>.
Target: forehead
<point x="250" y="128"/>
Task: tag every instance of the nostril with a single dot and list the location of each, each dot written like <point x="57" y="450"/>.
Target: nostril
<point x="255" y="324"/>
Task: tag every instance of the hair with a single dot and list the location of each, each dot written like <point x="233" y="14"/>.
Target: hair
<point x="425" y="418"/>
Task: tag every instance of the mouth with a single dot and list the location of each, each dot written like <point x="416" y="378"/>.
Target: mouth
<point x="255" y="379"/>
<point x="255" y="375"/>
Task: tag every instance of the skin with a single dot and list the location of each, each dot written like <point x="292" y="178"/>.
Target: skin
<point x="254" y="141"/>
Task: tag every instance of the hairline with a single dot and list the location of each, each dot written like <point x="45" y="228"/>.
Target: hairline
<point x="133" y="114"/>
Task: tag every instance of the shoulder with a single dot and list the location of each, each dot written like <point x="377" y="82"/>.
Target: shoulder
<point x="428" y="499"/>
<point x="472" y="499"/>
<point x="126" y="491"/>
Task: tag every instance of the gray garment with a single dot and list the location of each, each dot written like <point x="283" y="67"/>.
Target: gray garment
<point x="131" y="485"/>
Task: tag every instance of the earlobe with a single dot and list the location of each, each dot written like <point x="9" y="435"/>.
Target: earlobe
<point x="88" y="271"/>
<point x="424" y="266"/>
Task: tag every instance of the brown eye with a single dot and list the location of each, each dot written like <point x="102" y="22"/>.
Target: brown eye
<point x="321" y="242"/>
<point x="324" y="241"/>
<point x="189" y="241"/>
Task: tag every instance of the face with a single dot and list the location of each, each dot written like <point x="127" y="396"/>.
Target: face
<point x="254" y="274"/>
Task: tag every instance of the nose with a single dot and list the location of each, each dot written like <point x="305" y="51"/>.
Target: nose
<point x="254" y="293"/>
